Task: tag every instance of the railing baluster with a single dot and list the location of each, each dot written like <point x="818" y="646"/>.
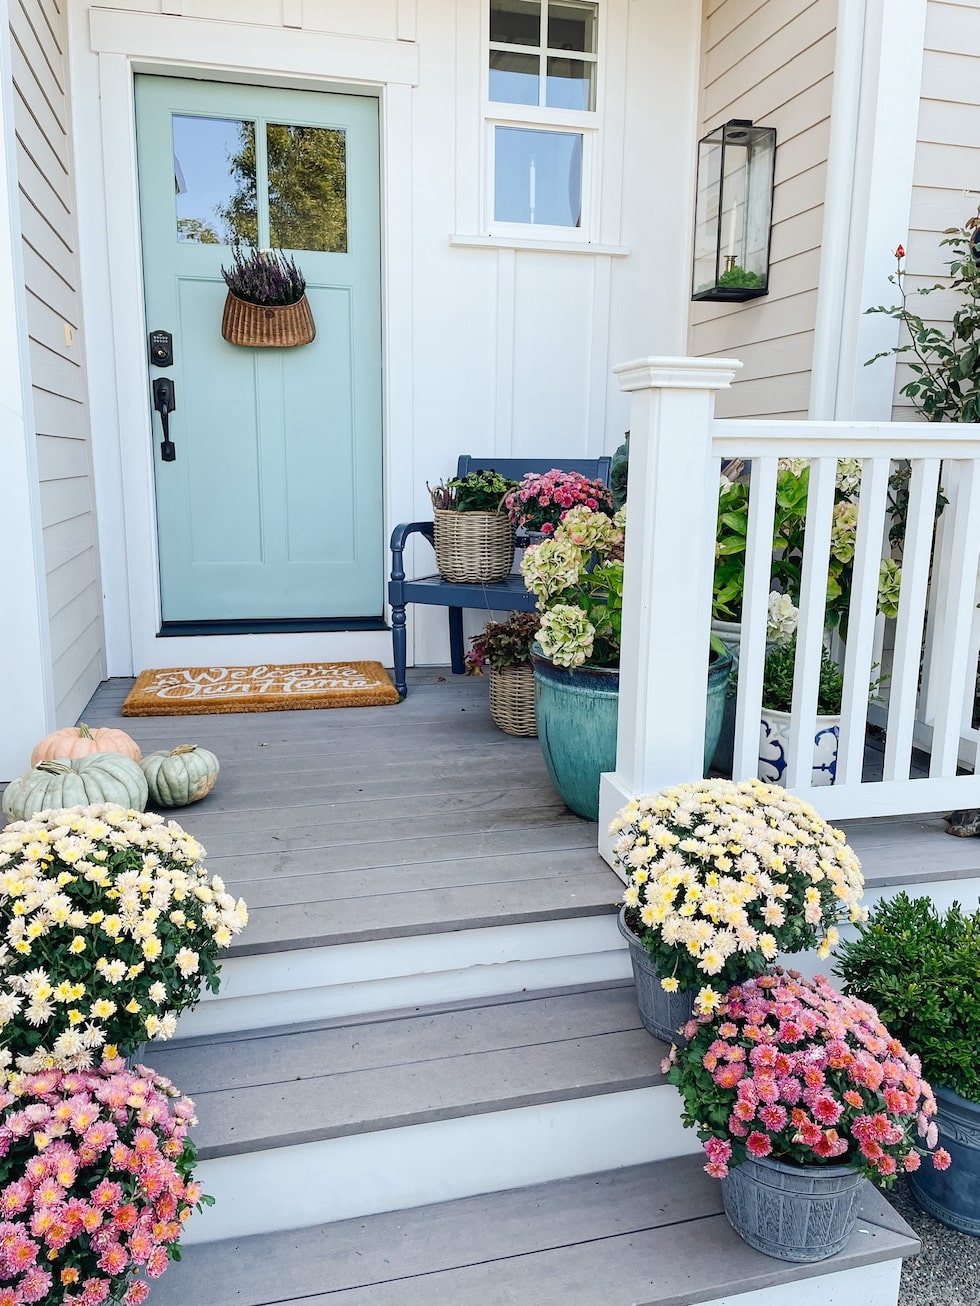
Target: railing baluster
<point x="755" y="606"/>
<point x="813" y="604"/>
<point x="951" y="662"/>
<point x="916" y="555"/>
<point x="859" y="650"/>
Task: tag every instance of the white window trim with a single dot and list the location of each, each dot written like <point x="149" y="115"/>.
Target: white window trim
<point x="587" y="123"/>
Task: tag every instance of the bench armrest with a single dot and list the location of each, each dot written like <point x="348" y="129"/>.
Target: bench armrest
<point x="399" y="536"/>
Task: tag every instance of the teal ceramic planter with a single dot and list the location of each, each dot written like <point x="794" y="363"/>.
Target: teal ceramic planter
<point x="577" y="710"/>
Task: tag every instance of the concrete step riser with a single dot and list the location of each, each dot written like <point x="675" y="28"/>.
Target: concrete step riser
<point x="392" y="1169"/>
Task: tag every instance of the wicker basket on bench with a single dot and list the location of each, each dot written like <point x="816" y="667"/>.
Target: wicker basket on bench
<point x="473" y="546"/>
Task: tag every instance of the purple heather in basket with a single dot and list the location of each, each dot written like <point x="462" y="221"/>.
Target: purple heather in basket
<point x="264" y="276"/>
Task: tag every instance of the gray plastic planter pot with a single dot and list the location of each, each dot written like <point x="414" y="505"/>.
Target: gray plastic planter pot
<point x="800" y="1213"/>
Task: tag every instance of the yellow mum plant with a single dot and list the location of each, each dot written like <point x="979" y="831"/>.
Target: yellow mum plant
<point x="109" y="927"/>
<point x="722" y="876"/>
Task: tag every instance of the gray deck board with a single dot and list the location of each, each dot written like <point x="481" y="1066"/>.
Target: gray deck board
<point x="622" y="1237"/>
<point x="311" y="1084"/>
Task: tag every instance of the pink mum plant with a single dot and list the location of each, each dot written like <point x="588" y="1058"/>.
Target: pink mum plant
<point x="791" y="1069"/>
<point x="541" y="500"/>
<point x="95" y="1184"/>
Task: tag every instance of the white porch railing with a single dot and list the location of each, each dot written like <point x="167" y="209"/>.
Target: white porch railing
<point x="926" y="660"/>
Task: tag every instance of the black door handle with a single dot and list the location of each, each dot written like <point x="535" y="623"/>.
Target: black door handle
<point x="164" y="402"/>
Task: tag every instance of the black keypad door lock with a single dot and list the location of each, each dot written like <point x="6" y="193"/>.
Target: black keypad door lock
<point x="164" y="402"/>
<point x="161" y="349"/>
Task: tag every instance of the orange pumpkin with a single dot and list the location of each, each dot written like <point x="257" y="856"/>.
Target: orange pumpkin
<point x="79" y="741"/>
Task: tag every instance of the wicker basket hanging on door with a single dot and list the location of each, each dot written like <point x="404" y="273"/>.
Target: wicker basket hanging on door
<point x="472" y="546"/>
<point x="512" y="699"/>
<point x="276" y="326"/>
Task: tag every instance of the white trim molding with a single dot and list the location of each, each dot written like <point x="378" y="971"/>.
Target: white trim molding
<point x="26" y="689"/>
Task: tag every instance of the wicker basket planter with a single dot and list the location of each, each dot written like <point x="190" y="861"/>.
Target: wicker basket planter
<point x="512" y="699"/>
<point x="473" y="546"/>
<point x="277" y="326"/>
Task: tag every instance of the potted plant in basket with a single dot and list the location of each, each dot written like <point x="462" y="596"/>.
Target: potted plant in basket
<point x="505" y="646"/>
<point x="266" y="304"/>
<point x="539" y="502"/>
<point x="721" y="877"/>
<point x="577" y="576"/>
<point x="921" y="968"/>
<point x="796" y="1093"/>
<point x="472" y="537"/>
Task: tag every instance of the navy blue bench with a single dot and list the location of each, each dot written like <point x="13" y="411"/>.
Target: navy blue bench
<point x="508" y="595"/>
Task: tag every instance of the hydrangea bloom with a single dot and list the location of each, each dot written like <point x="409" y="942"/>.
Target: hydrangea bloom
<point x="783" y="618"/>
<point x="790" y="1068"/>
<point x="723" y="875"/>
<point x="109" y="926"/>
<point x="566" y="635"/>
<point x="95" y="1184"/>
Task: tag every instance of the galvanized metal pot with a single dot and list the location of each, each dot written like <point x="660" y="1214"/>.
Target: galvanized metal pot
<point x="663" y="1014"/>
<point x="800" y="1213"/>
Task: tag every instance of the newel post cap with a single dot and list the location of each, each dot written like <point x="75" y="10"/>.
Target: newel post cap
<point x="666" y="373"/>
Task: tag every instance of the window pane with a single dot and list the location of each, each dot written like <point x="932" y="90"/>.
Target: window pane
<point x="538" y="177"/>
<point x="514" y="78"/>
<point x="214" y="176"/>
<point x="307" y="188"/>
<point x="515" y="22"/>
<point x="571" y="27"/>
<point x="571" y="84"/>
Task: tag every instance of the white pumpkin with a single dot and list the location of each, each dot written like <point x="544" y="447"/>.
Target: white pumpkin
<point x="182" y="776"/>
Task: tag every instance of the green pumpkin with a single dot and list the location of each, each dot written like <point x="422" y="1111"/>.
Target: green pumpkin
<point x="76" y="782"/>
<point x="181" y="776"/>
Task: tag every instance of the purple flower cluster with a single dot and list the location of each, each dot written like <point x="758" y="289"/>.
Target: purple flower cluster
<point x="264" y="276"/>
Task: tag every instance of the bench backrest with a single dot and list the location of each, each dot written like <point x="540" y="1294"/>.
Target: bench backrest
<point x="596" y="469"/>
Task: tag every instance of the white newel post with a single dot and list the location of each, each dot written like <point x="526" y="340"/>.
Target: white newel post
<point x="670" y="533"/>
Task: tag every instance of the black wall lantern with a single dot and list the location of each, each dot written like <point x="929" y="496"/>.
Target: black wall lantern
<point x="733" y="212"/>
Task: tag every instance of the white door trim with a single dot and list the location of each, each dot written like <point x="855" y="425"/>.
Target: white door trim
<point x="107" y="48"/>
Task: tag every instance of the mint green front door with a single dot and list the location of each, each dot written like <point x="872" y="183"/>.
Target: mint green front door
<point x="271" y="509"/>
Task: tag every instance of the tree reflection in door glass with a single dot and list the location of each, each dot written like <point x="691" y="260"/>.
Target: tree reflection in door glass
<point x="215" y="201"/>
<point x="307" y="188"/>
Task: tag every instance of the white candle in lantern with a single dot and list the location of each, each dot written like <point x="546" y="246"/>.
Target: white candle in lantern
<point x="732" y="224"/>
<point x="531" y="189"/>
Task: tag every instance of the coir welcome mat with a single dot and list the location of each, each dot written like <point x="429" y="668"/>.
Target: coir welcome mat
<point x="186" y="691"/>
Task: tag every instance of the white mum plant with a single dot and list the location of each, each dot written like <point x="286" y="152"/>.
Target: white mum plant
<point x="109" y="927"/>
<point x="722" y="876"/>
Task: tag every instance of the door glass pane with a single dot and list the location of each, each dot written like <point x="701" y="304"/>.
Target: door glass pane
<point x="571" y="84"/>
<point x="514" y="78"/>
<point x="515" y="22"/>
<point x="214" y="177"/>
<point x="571" y="27"/>
<point x="538" y="177"/>
<point x="307" y="188"/>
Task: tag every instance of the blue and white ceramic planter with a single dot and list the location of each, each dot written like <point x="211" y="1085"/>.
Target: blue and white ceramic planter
<point x="774" y="745"/>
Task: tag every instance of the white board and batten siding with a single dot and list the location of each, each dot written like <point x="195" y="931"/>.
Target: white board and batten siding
<point x="773" y="63"/>
<point x="946" y="180"/>
<point x="48" y="225"/>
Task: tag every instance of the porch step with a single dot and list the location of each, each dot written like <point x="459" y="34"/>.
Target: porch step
<point x="645" y="1235"/>
<point x="308" y="1124"/>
